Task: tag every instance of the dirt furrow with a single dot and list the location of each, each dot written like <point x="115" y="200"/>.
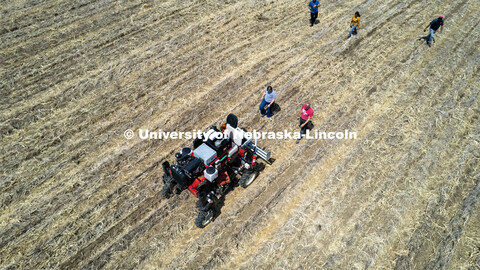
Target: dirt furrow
<point x="76" y="194"/>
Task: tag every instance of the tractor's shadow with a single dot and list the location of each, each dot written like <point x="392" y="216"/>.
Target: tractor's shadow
<point x="234" y="184"/>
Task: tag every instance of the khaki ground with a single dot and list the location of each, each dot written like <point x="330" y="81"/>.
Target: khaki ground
<point x="74" y="193"/>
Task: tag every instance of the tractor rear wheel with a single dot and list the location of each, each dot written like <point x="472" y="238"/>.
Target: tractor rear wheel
<point x="167" y="190"/>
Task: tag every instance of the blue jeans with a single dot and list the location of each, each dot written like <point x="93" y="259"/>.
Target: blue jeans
<point x="268" y="111"/>
<point x="430" y="37"/>
<point x="352" y="29"/>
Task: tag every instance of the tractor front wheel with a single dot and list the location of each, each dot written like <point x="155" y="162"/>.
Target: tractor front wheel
<point x="204" y="217"/>
<point x="247" y="178"/>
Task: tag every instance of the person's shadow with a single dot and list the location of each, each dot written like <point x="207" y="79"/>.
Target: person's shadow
<point x="276" y="108"/>
<point x="425" y="38"/>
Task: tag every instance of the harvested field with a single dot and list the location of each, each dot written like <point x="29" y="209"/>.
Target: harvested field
<point x="76" y="194"/>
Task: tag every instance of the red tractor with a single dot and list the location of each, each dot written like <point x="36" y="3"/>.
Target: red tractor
<point x="209" y="168"/>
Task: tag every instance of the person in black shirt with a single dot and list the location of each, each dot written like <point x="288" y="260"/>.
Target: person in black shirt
<point x="434" y="25"/>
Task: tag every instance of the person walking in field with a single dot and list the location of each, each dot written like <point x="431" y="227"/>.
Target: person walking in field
<point x="305" y="118"/>
<point x="434" y="25"/>
<point x="268" y="99"/>
<point x="354" y="24"/>
<point x="313" y="5"/>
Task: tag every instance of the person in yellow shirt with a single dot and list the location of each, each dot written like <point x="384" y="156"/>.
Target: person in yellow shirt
<point x="354" y="24"/>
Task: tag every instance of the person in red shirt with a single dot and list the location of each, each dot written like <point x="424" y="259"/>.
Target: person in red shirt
<point x="305" y="117"/>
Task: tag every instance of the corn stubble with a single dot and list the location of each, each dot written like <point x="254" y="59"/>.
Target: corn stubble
<point x="75" y="193"/>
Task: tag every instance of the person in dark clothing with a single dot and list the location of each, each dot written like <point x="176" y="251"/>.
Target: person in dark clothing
<point x="313" y="5"/>
<point x="434" y="25"/>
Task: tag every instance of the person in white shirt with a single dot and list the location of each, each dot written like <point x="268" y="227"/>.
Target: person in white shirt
<point x="268" y="99"/>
